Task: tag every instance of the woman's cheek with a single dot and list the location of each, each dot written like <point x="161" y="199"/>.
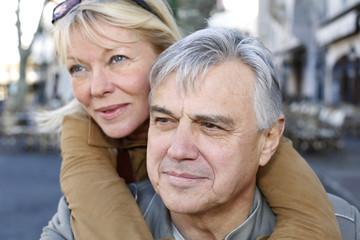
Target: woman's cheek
<point x="81" y="91"/>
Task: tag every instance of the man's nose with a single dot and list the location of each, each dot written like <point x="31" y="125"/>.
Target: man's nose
<point x="183" y="144"/>
<point x="101" y="83"/>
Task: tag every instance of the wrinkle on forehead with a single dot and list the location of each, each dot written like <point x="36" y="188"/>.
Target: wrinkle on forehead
<point x="243" y="87"/>
<point x="230" y="79"/>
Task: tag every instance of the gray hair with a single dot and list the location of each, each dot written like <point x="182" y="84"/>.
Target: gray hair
<point x="194" y="55"/>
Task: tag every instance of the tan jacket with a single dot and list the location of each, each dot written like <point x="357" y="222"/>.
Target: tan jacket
<point x="103" y="207"/>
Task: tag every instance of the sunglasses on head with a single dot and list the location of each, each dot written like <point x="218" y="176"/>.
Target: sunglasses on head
<point x="63" y="8"/>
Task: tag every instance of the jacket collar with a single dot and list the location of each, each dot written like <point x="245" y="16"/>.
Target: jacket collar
<point x="96" y="137"/>
<point x="260" y="222"/>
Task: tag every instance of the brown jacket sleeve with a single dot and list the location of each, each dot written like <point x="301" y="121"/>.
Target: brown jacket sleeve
<point x="297" y="197"/>
<point x="102" y="206"/>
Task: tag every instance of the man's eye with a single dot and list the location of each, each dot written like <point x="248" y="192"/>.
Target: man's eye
<point x="75" y="69"/>
<point x="211" y="126"/>
<point x="164" y="124"/>
<point x="117" y="58"/>
<point x="162" y="120"/>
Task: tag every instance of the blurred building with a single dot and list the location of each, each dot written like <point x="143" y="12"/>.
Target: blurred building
<point x="316" y="45"/>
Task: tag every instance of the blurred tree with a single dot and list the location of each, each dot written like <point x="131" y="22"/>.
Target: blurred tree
<point x="192" y="15"/>
<point x="24" y="53"/>
<point x="172" y="4"/>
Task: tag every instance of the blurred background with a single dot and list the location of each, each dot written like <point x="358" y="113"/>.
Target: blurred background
<point x="316" y="47"/>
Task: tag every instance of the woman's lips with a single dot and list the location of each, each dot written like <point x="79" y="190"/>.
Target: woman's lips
<point x="111" y="112"/>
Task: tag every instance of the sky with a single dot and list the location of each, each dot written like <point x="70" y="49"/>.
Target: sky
<point x="7" y="26"/>
<point x="239" y="13"/>
<point x="30" y="15"/>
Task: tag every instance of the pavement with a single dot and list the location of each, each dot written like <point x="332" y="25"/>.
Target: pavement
<point x="339" y="170"/>
<point x="29" y="192"/>
<point x="29" y="184"/>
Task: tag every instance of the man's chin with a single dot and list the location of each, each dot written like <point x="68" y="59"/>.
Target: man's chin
<point x="181" y="203"/>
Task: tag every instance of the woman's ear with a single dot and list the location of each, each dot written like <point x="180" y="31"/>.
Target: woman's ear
<point x="272" y="139"/>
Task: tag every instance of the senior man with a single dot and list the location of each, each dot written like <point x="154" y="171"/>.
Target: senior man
<point x="215" y="117"/>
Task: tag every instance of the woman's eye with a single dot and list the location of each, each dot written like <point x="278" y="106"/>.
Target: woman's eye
<point x="75" y="69"/>
<point x="117" y="58"/>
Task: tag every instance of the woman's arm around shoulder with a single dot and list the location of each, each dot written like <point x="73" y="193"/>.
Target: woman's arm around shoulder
<point x="102" y="207"/>
<point x="297" y="197"/>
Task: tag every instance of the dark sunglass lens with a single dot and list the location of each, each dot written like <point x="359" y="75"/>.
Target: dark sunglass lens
<point x="63" y="8"/>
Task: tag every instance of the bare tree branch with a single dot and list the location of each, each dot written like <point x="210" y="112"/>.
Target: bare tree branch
<point x="24" y="54"/>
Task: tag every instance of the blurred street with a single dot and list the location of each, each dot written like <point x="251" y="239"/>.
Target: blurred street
<point x="29" y="185"/>
<point x="29" y="192"/>
<point x="339" y="171"/>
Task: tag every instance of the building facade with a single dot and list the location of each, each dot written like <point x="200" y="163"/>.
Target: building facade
<point x="316" y="45"/>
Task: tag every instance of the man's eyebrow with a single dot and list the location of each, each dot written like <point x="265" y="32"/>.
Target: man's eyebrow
<point x="211" y="118"/>
<point x="218" y="119"/>
<point x="158" y="109"/>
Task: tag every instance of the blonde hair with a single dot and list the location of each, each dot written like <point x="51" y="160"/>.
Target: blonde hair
<point x="160" y="31"/>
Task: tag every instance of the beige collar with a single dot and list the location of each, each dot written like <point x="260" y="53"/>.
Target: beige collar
<point x="96" y="137"/>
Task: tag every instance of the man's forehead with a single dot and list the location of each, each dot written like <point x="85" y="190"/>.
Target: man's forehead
<point x="220" y="97"/>
<point x="230" y="78"/>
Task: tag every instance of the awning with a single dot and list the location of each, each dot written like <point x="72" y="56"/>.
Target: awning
<point x="340" y="28"/>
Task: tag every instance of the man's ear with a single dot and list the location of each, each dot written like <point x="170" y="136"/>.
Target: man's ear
<point x="272" y="139"/>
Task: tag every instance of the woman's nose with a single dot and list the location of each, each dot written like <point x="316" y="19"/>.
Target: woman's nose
<point x="101" y="83"/>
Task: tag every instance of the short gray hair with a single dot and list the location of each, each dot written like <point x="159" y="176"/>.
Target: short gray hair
<point x="194" y="55"/>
